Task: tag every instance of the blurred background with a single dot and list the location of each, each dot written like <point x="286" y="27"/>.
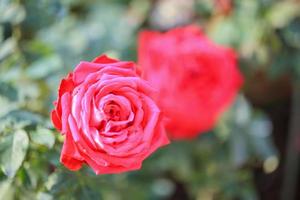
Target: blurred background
<point x="252" y="153"/>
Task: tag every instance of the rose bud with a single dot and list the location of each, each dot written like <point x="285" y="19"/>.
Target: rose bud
<point x="109" y="120"/>
<point x="195" y="78"/>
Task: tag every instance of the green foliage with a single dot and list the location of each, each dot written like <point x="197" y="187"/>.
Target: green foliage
<point x="41" y="40"/>
<point x="13" y="152"/>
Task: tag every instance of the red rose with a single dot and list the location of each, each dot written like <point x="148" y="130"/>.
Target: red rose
<point x="109" y="120"/>
<point x="196" y="78"/>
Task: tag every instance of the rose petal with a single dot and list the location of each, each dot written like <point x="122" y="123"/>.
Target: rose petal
<point x="70" y="156"/>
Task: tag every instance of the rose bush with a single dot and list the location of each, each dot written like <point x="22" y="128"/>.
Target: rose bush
<point x="195" y="78"/>
<point x="109" y="120"/>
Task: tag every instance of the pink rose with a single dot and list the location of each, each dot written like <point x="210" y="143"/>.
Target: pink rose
<point x="108" y="117"/>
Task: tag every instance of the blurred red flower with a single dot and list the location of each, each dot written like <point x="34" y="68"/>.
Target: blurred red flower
<point x="195" y="78"/>
<point x="109" y="120"/>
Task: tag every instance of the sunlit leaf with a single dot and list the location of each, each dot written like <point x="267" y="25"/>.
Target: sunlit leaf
<point x="13" y="13"/>
<point x="6" y="190"/>
<point x="43" y="136"/>
<point x="282" y="13"/>
<point x="13" y="155"/>
<point x="7" y="47"/>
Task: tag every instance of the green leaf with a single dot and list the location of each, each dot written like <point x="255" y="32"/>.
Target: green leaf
<point x="8" y="91"/>
<point x="61" y="183"/>
<point x="13" y="151"/>
<point x="292" y="35"/>
<point x="23" y="116"/>
<point x="7" y="47"/>
<point x="43" y="136"/>
<point x="282" y="13"/>
<point x="44" y="67"/>
<point x="86" y="191"/>
<point x="6" y="190"/>
<point x="44" y="196"/>
<point x="13" y="13"/>
<point x="1" y="33"/>
<point x="260" y="132"/>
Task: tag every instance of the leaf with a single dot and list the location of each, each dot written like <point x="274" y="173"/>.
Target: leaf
<point x="87" y="192"/>
<point x="23" y="116"/>
<point x="7" y="47"/>
<point x="60" y="181"/>
<point x="6" y="191"/>
<point x="229" y="34"/>
<point x="241" y="111"/>
<point x="239" y="149"/>
<point x="282" y="13"/>
<point x="292" y="34"/>
<point x="44" y="196"/>
<point x="61" y="184"/>
<point x="1" y="34"/>
<point x="8" y="91"/>
<point x="44" y="67"/>
<point x="43" y="136"/>
<point x="6" y="109"/>
<point x="13" y="13"/>
<point x="13" y="155"/>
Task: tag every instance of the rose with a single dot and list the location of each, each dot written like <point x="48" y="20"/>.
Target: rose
<point x="109" y="120"/>
<point x="195" y="78"/>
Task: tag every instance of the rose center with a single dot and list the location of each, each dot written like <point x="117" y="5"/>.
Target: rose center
<point x="112" y="111"/>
